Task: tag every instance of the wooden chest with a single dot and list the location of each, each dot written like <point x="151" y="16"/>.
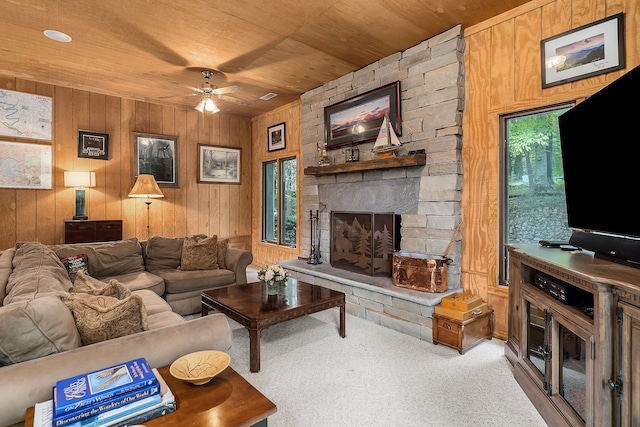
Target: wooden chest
<point x="462" y="334"/>
<point x="461" y="301"/>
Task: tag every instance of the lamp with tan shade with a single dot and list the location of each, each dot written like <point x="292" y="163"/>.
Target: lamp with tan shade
<point x="146" y="187"/>
<point x="80" y="180"/>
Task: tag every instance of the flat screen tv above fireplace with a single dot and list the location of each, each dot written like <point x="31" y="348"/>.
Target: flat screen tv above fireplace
<point x="600" y="145"/>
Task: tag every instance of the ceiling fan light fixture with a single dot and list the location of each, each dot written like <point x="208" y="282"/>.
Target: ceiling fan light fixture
<point x="200" y="106"/>
<point x="210" y="106"/>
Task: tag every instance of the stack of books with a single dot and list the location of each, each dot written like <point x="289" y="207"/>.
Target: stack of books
<point x="124" y="394"/>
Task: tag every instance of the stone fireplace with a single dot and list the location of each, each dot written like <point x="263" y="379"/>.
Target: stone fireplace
<point x="427" y="198"/>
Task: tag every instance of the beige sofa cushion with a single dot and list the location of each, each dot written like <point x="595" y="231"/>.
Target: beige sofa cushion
<point x="37" y="271"/>
<point x="6" y="258"/>
<point x="100" y="318"/>
<point x="88" y="285"/>
<point x="107" y="258"/>
<point x="36" y="328"/>
<point x="163" y="252"/>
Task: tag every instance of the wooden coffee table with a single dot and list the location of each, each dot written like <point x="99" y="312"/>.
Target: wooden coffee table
<point x="227" y="400"/>
<point x="250" y="306"/>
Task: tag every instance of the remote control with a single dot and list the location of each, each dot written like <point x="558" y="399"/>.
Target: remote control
<point x="552" y="243"/>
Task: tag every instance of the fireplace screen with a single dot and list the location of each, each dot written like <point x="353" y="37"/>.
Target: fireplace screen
<point x="363" y="242"/>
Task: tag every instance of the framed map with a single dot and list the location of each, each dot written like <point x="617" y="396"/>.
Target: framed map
<point x="25" y="165"/>
<point x="24" y="115"/>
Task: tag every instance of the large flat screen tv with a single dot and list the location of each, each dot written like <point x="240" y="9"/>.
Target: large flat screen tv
<point x="600" y="141"/>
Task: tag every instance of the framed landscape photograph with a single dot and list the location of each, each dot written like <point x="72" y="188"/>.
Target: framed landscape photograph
<point x="276" y="137"/>
<point x="583" y="52"/>
<point x="218" y="164"/>
<point x="93" y="145"/>
<point x="156" y="155"/>
<point x="358" y="119"/>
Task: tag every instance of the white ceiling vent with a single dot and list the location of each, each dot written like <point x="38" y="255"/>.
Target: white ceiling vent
<point x="268" y="96"/>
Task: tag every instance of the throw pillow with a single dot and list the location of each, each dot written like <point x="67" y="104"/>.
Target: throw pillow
<point x="75" y="263"/>
<point x="199" y="253"/>
<point x="88" y="285"/>
<point x="100" y="318"/>
<point x="223" y="245"/>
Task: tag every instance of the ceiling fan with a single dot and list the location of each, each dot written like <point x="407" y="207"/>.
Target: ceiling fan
<point x="208" y="92"/>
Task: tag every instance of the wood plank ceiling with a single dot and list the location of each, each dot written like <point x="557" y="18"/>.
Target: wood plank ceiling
<point x="152" y="49"/>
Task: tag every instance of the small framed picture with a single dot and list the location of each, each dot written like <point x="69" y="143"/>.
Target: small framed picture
<point x="218" y="164"/>
<point x="156" y="155"/>
<point x="276" y="137"/>
<point x="93" y="145"/>
<point x="587" y="51"/>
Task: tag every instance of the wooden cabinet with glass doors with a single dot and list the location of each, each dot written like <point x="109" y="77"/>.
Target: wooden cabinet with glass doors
<point x="574" y="336"/>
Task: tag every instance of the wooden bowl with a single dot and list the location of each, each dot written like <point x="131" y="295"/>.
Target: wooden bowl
<point x="198" y="368"/>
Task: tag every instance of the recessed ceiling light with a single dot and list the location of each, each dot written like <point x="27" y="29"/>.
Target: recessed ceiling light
<point x="268" y="96"/>
<point x="57" y="36"/>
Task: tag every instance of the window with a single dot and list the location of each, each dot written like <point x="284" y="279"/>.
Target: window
<point x="533" y="203"/>
<point x="279" y="204"/>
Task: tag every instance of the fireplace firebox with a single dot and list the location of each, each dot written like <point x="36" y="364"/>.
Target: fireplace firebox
<point x="364" y="242"/>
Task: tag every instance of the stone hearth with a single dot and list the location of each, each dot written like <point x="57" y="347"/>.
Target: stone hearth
<point x="375" y="299"/>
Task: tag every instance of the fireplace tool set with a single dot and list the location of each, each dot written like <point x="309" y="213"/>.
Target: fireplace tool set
<point x="315" y="257"/>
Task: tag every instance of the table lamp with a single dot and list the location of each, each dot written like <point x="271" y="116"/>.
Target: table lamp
<point x="146" y="187"/>
<point x="80" y="180"/>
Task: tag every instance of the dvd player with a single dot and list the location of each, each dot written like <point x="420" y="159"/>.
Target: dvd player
<point x="562" y="291"/>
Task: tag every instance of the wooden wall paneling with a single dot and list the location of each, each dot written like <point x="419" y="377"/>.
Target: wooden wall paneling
<point x="8" y="195"/>
<point x="26" y="199"/>
<point x="63" y="158"/>
<point x="113" y="166"/>
<point x="239" y="196"/>
<point x="191" y="187"/>
<point x="168" y="201"/>
<point x="204" y="193"/>
<point x="478" y="179"/>
<point x="97" y="123"/>
<point x="180" y="193"/>
<point x="503" y="52"/>
<point x="528" y="81"/>
<point x="127" y="125"/>
<point x="46" y="199"/>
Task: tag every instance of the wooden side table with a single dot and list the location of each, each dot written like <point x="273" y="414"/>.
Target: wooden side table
<point x="228" y="400"/>
<point x="86" y="231"/>
<point x="462" y="334"/>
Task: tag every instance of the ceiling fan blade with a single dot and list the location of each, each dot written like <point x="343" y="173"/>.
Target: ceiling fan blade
<point x="178" y="96"/>
<point x="235" y="100"/>
<point x="228" y="89"/>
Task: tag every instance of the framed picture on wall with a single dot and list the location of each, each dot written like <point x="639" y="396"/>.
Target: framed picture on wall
<point x="93" y="145"/>
<point x="25" y="165"/>
<point x="358" y="119"/>
<point x="218" y="164"/>
<point x="156" y="155"/>
<point x="583" y="52"/>
<point x="276" y="134"/>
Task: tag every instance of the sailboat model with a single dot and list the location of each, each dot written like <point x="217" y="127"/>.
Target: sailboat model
<point x="387" y="142"/>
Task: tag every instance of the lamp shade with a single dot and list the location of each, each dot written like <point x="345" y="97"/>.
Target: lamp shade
<point x="79" y="179"/>
<point x="147" y="187"/>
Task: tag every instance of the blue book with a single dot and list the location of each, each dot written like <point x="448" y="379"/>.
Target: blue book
<point x="125" y="402"/>
<point x="84" y="390"/>
<point x="120" y="414"/>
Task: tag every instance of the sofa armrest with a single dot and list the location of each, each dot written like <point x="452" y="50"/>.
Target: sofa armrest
<point x="24" y="384"/>
<point x="238" y="260"/>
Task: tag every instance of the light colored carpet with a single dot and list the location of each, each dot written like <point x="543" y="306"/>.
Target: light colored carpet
<point x="379" y="377"/>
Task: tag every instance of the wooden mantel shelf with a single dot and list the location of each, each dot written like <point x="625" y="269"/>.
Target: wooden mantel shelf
<point x="419" y="159"/>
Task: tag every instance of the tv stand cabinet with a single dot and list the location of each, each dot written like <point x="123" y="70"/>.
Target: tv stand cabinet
<point x="578" y="362"/>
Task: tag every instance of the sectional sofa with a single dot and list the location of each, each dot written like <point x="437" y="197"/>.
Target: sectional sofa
<point x="52" y="329"/>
